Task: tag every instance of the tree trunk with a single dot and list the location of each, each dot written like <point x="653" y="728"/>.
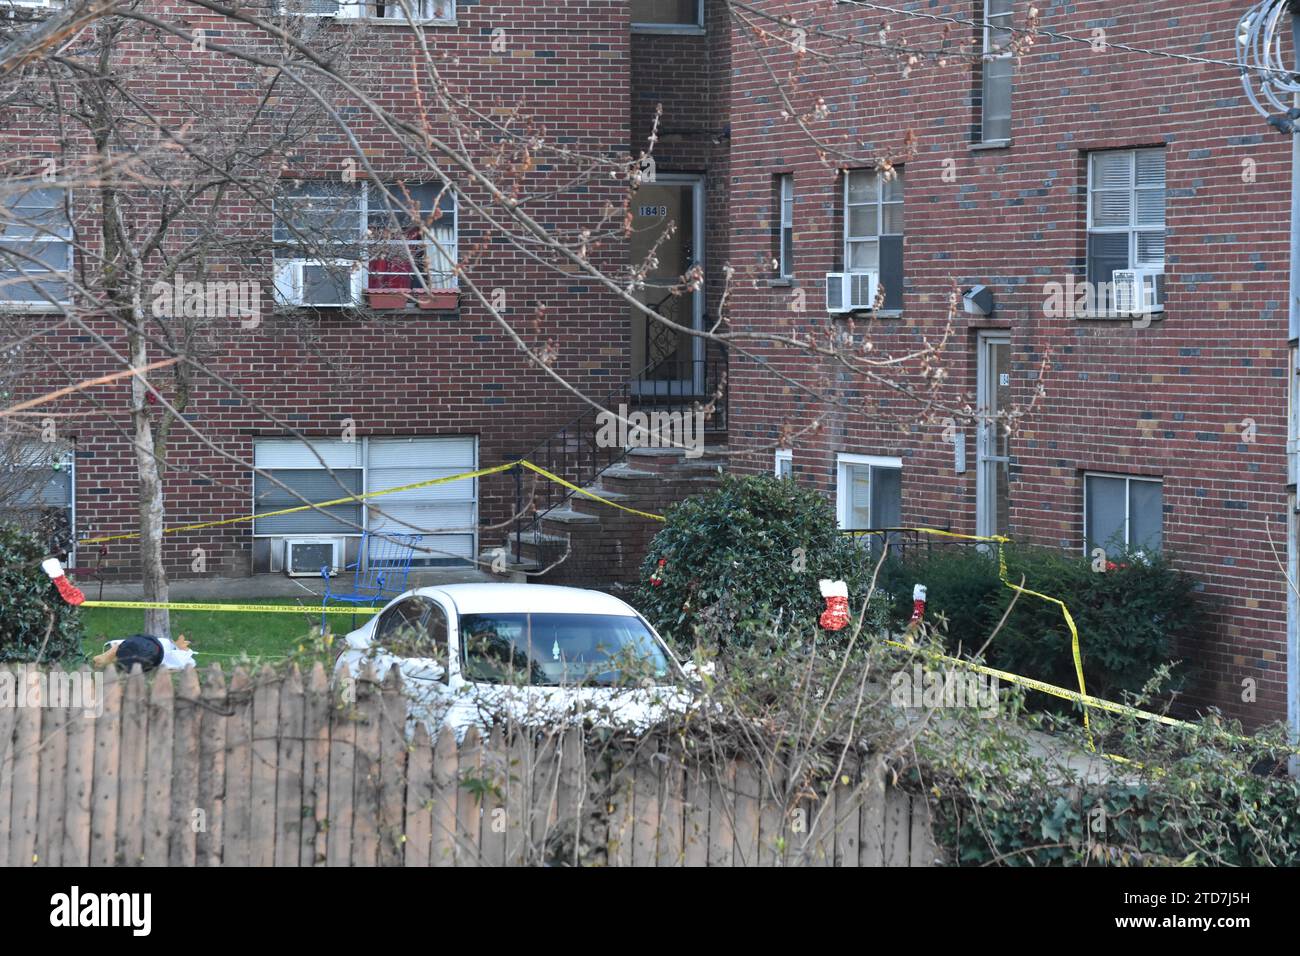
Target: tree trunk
<point x="153" y="575"/>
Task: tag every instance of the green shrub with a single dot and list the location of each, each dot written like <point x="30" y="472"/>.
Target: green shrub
<point x="1128" y="617"/>
<point x="733" y="564"/>
<point x="35" y="623"/>
<point x="1203" y="794"/>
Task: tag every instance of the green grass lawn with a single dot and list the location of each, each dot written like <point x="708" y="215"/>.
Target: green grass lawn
<point x="225" y="637"/>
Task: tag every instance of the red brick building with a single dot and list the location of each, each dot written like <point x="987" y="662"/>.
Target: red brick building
<point x="388" y="396"/>
<point x="1077" y="160"/>
<point x="1025" y="176"/>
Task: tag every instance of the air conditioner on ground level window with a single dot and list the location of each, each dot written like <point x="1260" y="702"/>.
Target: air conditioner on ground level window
<point x="318" y="282"/>
<point x="304" y="557"/>
<point x="851" y="291"/>
<point x="1136" y="291"/>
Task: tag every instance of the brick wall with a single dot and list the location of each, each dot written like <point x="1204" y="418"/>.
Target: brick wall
<point x="564" y="70"/>
<point x="1167" y="401"/>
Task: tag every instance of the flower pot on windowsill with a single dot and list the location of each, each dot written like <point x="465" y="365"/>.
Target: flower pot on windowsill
<point x="388" y="298"/>
<point x="437" y="300"/>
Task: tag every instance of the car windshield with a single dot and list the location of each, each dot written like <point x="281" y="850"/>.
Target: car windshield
<point x="554" y="649"/>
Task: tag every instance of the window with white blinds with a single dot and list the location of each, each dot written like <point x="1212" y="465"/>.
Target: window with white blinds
<point x="1126" y="212"/>
<point x="446" y="514"/>
<point x="303" y="470"/>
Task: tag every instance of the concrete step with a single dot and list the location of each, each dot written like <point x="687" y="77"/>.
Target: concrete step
<point x="567" y="515"/>
<point x="624" y="470"/>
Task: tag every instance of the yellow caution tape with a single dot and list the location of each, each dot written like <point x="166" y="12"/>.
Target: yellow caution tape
<point x="1001" y="540"/>
<point x="1042" y="686"/>
<point x="263" y="608"/>
<point x="322" y="504"/>
<point x="589" y="494"/>
<point x="480" y="473"/>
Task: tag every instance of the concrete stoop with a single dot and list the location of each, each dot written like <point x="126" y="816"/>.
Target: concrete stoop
<point x="599" y="545"/>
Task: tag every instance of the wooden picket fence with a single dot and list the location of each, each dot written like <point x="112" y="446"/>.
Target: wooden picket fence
<point x="270" y="770"/>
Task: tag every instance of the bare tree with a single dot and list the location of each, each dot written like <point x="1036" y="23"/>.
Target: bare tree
<point x="164" y="170"/>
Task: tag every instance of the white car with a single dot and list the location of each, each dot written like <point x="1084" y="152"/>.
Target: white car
<point x="537" y="654"/>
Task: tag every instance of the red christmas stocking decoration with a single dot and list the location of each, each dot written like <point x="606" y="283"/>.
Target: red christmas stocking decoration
<point x="918" y="606"/>
<point x="836" y="615"/>
<point x="67" y="590"/>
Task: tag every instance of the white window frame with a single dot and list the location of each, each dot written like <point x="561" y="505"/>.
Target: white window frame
<point x="1132" y="229"/>
<point x="986" y="462"/>
<point x="355" y="10"/>
<point x="37" y="305"/>
<point x="361" y="277"/>
<point x="1128" y="500"/>
<point x="785" y="222"/>
<point x="363" y="443"/>
<point x="880" y="203"/>
<point x="696" y="28"/>
<point x="989" y="53"/>
<point x="313" y="440"/>
<point x="783" y="456"/>
<point x="843" y="461"/>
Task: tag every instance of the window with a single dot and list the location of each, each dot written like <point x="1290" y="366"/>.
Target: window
<point x="416" y="627"/>
<point x="35" y="247"/>
<point x="785" y="228"/>
<point x="993" y="443"/>
<point x="668" y="13"/>
<point x="339" y="238"/>
<point x="873" y="229"/>
<point x="869" y="491"/>
<point x="445" y="515"/>
<point x="560" y="649"/>
<point x="412" y="232"/>
<point x="37" y="491"/>
<point x="784" y="463"/>
<point x="421" y="11"/>
<point x="997" y="66"/>
<point x="298" y="466"/>
<point x="1122" y="513"/>
<point x="1126" y="218"/>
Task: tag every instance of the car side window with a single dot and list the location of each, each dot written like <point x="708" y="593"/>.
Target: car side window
<point x="417" y="627"/>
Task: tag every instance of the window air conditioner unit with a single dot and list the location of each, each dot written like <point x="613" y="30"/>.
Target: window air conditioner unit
<point x="851" y="291"/>
<point x="1135" y="291"/>
<point x="329" y="283"/>
<point x="304" y="557"/>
